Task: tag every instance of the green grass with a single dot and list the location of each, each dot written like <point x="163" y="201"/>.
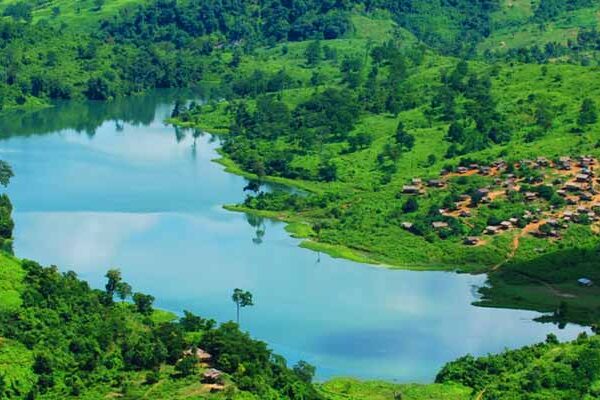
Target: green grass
<point x="352" y="389"/>
<point x="11" y="275"/>
<point x="513" y="27"/>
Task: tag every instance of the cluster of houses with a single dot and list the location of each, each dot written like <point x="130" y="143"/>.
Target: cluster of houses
<point x="577" y="191"/>
<point x="210" y="376"/>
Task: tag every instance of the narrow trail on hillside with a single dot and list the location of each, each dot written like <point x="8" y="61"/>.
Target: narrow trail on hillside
<point x="516" y="242"/>
<point x="514" y="248"/>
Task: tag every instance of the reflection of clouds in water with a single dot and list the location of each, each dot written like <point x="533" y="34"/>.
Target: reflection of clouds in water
<point x="82" y="240"/>
<point x="145" y="143"/>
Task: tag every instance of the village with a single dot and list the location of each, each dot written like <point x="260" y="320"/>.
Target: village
<point x="556" y="193"/>
<point x="212" y="379"/>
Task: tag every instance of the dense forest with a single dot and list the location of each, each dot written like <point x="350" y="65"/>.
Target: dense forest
<point x="104" y="52"/>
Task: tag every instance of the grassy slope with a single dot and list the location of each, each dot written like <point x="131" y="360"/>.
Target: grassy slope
<point x="77" y="15"/>
<point x="351" y="389"/>
<point x="512" y="27"/>
<point x="11" y="276"/>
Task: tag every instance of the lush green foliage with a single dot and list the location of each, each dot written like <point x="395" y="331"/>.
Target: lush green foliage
<point x="544" y="371"/>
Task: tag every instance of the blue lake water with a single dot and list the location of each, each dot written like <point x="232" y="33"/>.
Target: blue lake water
<point x="110" y="185"/>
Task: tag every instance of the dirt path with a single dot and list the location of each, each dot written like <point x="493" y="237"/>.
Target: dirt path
<point x="516" y="242"/>
<point x="480" y="395"/>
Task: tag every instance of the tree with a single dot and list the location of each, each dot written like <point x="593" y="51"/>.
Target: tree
<point x="411" y="205"/>
<point x="143" y="302"/>
<point x="187" y="366"/>
<point x="304" y="371"/>
<point x="313" y="53"/>
<point x="114" y="278"/>
<point x="241" y="299"/>
<point x="6" y="173"/>
<point x="123" y="290"/>
<point x="405" y="140"/>
<point x="588" y="113"/>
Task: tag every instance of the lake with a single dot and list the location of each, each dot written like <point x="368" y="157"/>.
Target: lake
<point x="103" y="185"/>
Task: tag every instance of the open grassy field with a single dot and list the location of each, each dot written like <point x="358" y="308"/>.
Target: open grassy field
<point x="351" y="389"/>
<point x="513" y="26"/>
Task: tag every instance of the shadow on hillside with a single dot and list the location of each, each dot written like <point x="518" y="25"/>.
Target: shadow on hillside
<point x="549" y="284"/>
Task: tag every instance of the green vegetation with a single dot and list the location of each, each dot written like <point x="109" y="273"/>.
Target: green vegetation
<point x="412" y="128"/>
<point x="549" y="370"/>
<point x="66" y="339"/>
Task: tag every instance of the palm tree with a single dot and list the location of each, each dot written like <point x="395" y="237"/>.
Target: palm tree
<point x="241" y="299"/>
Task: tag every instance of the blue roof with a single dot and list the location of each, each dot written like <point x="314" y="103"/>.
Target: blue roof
<point x="584" y="280"/>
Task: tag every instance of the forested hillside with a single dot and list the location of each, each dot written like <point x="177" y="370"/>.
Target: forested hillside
<point x="446" y="135"/>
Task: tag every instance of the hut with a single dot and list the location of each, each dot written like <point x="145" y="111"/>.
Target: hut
<point x="505" y="225"/>
<point x="200" y="354"/>
<point x="471" y="241"/>
<point x="492" y="230"/>
<point x="582" y="178"/>
<point x="531" y="196"/>
<point x="439" y="225"/>
<point x="435" y="183"/>
<point x="586" y="282"/>
<point x="410" y="189"/>
<point x="212" y="376"/>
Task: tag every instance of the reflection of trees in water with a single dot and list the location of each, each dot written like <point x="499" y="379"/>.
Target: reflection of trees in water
<point x="258" y="223"/>
<point x="196" y="133"/>
<point x="87" y="116"/>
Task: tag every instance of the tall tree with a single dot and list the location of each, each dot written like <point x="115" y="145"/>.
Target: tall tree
<point x="114" y="278"/>
<point x="241" y="298"/>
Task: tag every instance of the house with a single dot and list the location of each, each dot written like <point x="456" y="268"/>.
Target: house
<point x="492" y="230"/>
<point x="212" y="376"/>
<point x="407" y="225"/>
<point x="542" y="161"/>
<point x="465" y="214"/>
<point x="582" y="210"/>
<point x="416" y="181"/>
<point x="586" y="161"/>
<point x="410" y="189"/>
<point x="585" y="282"/>
<point x="200" y="354"/>
<point x="573" y="187"/>
<point x="483" y="191"/>
<point x="561" y="192"/>
<point x="471" y="241"/>
<point x="485" y="170"/>
<point x="435" y="183"/>
<point x="582" y="178"/>
<point x="505" y="225"/>
<point x="530" y="196"/>
<point x="462" y="170"/>
<point x="586" y="196"/>
<point x="564" y="163"/>
<point x="473" y="166"/>
<point x="439" y="225"/>
<point x="514" y="221"/>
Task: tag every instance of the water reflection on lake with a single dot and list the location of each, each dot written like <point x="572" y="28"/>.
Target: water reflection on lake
<point x="124" y="190"/>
